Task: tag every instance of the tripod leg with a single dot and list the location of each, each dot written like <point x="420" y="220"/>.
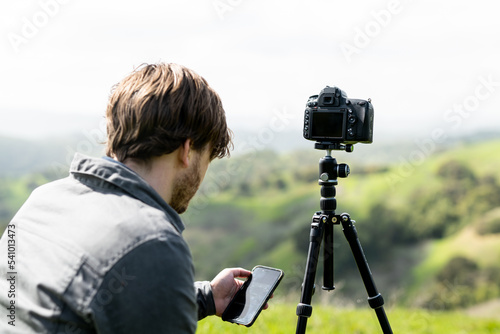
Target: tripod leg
<point x="328" y="258"/>
<point x="374" y="298"/>
<point x="304" y="308"/>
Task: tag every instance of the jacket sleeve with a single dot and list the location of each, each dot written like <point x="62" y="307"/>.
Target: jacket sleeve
<point x="205" y="299"/>
<point x="149" y="290"/>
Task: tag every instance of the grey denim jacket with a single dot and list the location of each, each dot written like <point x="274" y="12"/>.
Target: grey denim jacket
<point x="98" y="252"/>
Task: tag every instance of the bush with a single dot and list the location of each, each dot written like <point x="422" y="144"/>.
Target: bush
<point x="489" y="223"/>
<point x="462" y="283"/>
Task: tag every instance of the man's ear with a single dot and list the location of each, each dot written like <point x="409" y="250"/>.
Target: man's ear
<point x="185" y="153"/>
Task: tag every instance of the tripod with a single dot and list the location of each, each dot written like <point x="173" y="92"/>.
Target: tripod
<point x="322" y="229"/>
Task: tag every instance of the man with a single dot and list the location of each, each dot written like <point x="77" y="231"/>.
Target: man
<point x="101" y="251"/>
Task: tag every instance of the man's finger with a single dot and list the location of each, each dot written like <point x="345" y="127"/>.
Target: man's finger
<point x="240" y="272"/>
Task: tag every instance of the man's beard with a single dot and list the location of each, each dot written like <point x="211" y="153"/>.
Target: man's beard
<point x="185" y="187"/>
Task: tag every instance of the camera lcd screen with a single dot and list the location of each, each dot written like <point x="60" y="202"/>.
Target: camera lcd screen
<point x="329" y="124"/>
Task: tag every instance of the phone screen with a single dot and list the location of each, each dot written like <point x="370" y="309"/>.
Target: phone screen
<point x="253" y="295"/>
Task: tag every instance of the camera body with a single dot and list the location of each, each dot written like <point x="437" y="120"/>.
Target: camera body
<point x="331" y="117"/>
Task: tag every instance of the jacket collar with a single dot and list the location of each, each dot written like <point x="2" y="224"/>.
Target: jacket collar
<point x="107" y="171"/>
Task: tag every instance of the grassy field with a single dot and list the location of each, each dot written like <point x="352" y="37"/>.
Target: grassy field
<point x="325" y="319"/>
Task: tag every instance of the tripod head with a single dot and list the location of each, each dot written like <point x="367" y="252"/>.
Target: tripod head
<point x="329" y="171"/>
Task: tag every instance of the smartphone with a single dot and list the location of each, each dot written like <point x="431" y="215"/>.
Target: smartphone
<point x="248" y="302"/>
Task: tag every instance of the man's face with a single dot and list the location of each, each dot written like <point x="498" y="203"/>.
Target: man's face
<point x="186" y="185"/>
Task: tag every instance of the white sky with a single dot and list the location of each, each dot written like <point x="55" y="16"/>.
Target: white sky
<point x="423" y="63"/>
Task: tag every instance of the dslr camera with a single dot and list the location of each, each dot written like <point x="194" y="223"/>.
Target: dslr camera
<point x="332" y="118"/>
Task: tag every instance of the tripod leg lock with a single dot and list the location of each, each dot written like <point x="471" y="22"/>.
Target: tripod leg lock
<point x="304" y="310"/>
<point x="376" y="301"/>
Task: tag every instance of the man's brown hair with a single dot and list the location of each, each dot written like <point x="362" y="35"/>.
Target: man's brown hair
<point x="158" y="107"/>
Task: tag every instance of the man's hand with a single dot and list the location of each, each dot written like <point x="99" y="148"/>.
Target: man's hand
<point x="225" y="285"/>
